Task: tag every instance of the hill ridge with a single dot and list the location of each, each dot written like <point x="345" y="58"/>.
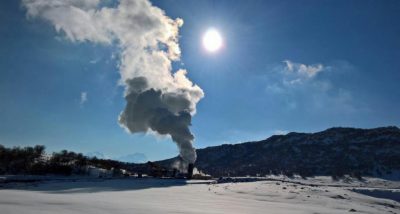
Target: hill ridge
<point x="334" y="151"/>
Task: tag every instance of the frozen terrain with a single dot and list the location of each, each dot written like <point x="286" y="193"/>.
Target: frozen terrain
<point x="268" y="195"/>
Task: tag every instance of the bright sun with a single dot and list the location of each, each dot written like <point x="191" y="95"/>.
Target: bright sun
<point x="212" y="40"/>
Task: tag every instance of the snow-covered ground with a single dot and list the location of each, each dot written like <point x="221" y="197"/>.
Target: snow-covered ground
<point x="272" y="195"/>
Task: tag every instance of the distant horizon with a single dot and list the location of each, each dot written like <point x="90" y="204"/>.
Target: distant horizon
<point x="124" y="158"/>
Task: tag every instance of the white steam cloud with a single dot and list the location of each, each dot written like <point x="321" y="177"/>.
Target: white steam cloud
<point x="157" y="99"/>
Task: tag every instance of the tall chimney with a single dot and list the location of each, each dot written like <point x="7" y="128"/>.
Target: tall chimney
<point x="190" y="171"/>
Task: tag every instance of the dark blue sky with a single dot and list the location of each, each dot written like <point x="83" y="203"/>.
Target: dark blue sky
<point x="250" y="92"/>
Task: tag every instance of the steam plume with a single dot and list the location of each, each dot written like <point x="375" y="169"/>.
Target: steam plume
<point x="157" y="99"/>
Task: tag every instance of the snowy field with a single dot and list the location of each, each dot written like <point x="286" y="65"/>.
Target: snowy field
<point x="273" y="195"/>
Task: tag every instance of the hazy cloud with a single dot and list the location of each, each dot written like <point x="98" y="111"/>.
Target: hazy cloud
<point x="94" y="61"/>
<point x="280" y="132"/>
<point x="291" y="75"/>
<point x="83" y="97"/>
<point x="303" y="69"/>
<point x="310" y="88"/>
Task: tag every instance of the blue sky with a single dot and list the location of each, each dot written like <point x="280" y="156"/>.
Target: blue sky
<point x="261" y="82"/>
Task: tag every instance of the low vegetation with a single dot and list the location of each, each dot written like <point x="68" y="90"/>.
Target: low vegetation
<point x="34" y="161"/>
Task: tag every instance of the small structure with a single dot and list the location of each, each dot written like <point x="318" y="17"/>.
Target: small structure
<point x="93" y="171"/>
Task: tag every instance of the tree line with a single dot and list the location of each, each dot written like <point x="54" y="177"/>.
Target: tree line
<point x="35" y="161"/>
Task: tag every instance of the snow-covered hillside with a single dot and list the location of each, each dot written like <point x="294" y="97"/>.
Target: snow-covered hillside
<point x="271" y="195"/>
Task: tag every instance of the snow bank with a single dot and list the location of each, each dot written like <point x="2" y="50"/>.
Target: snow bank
<point x="121" y="196"/>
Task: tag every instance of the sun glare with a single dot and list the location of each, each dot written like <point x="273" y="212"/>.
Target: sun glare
<point x="212" y="40"/>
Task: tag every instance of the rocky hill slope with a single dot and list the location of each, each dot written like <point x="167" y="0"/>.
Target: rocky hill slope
<point x="335" y="152"/>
